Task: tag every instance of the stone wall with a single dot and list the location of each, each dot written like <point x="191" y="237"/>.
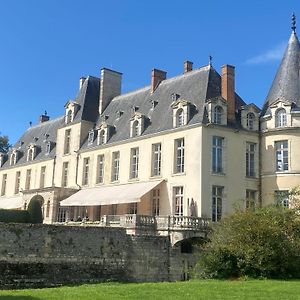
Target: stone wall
<point x="45" y="255"/>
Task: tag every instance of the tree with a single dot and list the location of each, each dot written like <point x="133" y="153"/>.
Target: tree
<point x="4" y="144"/>
<point x="261" y="243"/>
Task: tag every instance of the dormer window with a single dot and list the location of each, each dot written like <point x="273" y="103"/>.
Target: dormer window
<point x="250" y="120"/>
<point x="137" y="123"/>
<point x="104" y="132"/>
<point x="14" y="157"/>
<point x="69" y="116"/>
<point x="179" y="117"/>
<point x="48" y="147"/>
<point x="280" y="118"/>
<point x="181" y="112"/>
<point x="71" y="110"/>
<point x="31" y="152"/>
<point x="217" y="115"/>
<point x="135" y="128"/>
<point x="91" y="137"/>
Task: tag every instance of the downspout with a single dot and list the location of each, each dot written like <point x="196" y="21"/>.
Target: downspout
<point x="76" y="170"/>
<point x="53" y="173"/>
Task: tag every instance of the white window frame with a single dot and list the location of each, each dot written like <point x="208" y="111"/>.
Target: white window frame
<point x="250" y="159"/>
<point x="250" y="202"/>
<point x="100" y="168"/>
<point x="156" y="159"/>
<point x="42" y="176"/>
<point x="85" y="171"/>
<point x="217" y="114"/>
<point x="155" y="205"/>
<point x="28" y="179"/>
<point x="217" y="203"/>
<point x="115" y="166"/>
<point x="250" y="120"/>
<point x="280" y="118"/>
<point x="282" y="198"/>
<point x="179" y="154"/>
<point x="282" y="155"/>
<point x="4" y="184"/>
<point x="134" y="163"/>
<point x="17" y="182"/>
<point x="67" y="144"/>
<point x="217" y="154"/>
<point x="178" y="200"/>
<point x="65" y="173"/>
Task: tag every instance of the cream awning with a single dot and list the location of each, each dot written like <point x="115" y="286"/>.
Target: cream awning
<point x="107" y="195"/>
<point x="11" y="203"/>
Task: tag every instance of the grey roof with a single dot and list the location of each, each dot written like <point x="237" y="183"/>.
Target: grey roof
<point x="195" y="86"/>
<point x="286" y="85"/>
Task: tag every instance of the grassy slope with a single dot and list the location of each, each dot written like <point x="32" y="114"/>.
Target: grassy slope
<point x="203" y="289"/>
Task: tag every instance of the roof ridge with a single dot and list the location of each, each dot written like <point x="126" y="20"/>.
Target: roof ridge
<point x="45" y="123"/>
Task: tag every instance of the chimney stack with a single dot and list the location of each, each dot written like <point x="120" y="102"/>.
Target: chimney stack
<point x="188" y="66"/>
<point x="157" y="77"/>
<point x="228" y="90"/>
<point x="110" y="87"/>
<point x="44" y="117"/>
<point x="81" y="81"/>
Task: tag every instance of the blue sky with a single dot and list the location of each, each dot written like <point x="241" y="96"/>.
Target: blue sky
<point x="46" y="46"/>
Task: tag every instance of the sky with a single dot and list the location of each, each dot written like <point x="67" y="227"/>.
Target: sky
<point x="46" y="46"/>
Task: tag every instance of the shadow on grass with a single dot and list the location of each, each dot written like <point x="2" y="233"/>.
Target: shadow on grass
<point x="17" y="297"/>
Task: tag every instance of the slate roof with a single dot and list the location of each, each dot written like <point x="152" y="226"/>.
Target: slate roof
<point x="286" y="85"/>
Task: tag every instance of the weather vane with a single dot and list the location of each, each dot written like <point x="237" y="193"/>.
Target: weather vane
<point x="210" y="60"/>
<point x="294" y="22"/>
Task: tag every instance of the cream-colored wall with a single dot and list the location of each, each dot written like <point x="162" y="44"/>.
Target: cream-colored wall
<point x="234" y="178"/>
<point x="273" y="180"/>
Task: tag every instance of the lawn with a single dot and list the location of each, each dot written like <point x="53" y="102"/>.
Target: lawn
<point x="196" y="289"/>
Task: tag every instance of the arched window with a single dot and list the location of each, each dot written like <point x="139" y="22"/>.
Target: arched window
<point x="30" y="155"/>
<point x="101" y="139"/>
<point x="179" y="117"/>
<point x="280" y="116"/>
<point x="135" y="128"/>
<point x="250" y="121"/>
<point x="69" y="116"/>
<point x="217" y="116"/>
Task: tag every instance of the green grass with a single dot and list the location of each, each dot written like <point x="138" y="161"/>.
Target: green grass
<point x="196" y="289"/>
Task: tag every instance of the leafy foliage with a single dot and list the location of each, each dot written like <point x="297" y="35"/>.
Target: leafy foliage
<point x="35" y="211"/>
<point x="261" y="243"/>
<point x="14" y="216"/>
<point x="4" y="144"/>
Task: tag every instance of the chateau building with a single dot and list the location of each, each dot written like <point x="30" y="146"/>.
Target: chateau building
<point x="185" y="146"/>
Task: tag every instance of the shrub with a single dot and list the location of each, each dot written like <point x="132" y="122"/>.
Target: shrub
<point x="14" y="216"/>
<point x="35" y="211"/>
<point x="261" y="243"/>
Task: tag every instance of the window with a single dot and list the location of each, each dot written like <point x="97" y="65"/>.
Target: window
<point x="155" y="202"/>
<point x="100" y="169"/>
<point x="85" y="175"/>
<point x="282" y="198"/>
<point x="28" y="179"/>
<point x="67" y="141"/>
<point x="42" y="177"/>
<point x="250" y="121"/>
<point x="48" y="148"/>
<point x="4" y="182"/>
<point x="48" y="209"/>
<point x="14" y="157"/>
<point x="217" y="154"/>
<point x="179" y="117"/>
<point x="282" y="163"/>
<point x="179" y="156"/>
<point x="17" y="182"/>
<point x="101" y="138"/>
<point x="250" y="159"/>
<point x="91" y="137"/>
<point x="65" y="174"/>
<point x="217" y="115"/>
<point x="135" y="128"/>
<point x="250" y="199"/>
<point x="178" y="200"/>
<point x="30" y="154"/>
<point x="69" y="116"/>
<point x="217" y="195"/>
<point x="134" y="163"/>
<point x="62" y="214"/>
<point x="132" y="209"/>
<point x="115" y="166"/>
<point x="280" y="118"/>
<point x="156" y="160"/>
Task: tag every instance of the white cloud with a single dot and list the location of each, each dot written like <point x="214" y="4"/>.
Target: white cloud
<point x="271" y="55"/>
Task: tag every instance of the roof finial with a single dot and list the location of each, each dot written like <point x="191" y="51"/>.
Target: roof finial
<point x="293" y="23"/>
<point x="210" y="60"/>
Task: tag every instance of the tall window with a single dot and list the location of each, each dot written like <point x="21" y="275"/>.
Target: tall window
<point x="100" y="169"/>
<point x="135" y="128"/>
<point x="250" y="159"/>
<point x="217" y="195"/>
<point x="250" y="121"/>
<point x="155" y="202"/>
<point x="282" y="198"/>
<point x="115" y="166"/>
<point x="178" y="200"/>
<point x="48" y="148"/>
<point x="65" y="174"/>
<point x="28" y="179"/>
<point x="156" y="159"/>
<point x="101" y="137"/>
<point x="17" y="182"/>
<point x="42" y="177"/>
<point x="69" y="116"/>
<point x="179" y="117"/>
<point x="250" y="199"/>
<point x="4" y="182"/>
<point x="30" y="154"/>
<point x="179" y="156"/>
<point x="217" y="115"/>
<point x="91" y="137"/>
<point x="85" y="175"/>
<point x="67" y="141"/>
<point x="280" y="118"/>
<point x="132" y="208"/>
<point x="217" y="154"/>
<point x="282" y="157"/>
<point x="134" y="163"/>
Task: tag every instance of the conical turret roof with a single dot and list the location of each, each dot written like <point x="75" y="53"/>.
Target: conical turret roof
<point x="286" y="85"/>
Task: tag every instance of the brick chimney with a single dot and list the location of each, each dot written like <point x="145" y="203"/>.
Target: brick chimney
<point x="228" y="90"/>
<point x="110" y="87"/>
<point x="81" y="81"/>
<point x="157" y="77"/>
<point x="44" y="118"/>
<point x="188" y="66"/>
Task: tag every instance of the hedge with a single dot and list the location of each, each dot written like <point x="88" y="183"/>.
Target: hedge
<point x="14" y="216"/>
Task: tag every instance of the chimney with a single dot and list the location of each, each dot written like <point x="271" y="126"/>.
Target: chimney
<point x="228" y="90"/>
<point x="188" y="66"/>
<point x="110" y="87"/>
<point x="44" y="117"/>
<point x="157" y="77"/>
<point x="81" y="81"/>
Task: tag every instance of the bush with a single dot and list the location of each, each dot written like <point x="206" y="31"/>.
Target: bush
<point x="35" y="211"/>
<point x="14" y="216"/>
<point x="261" y="243"/>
